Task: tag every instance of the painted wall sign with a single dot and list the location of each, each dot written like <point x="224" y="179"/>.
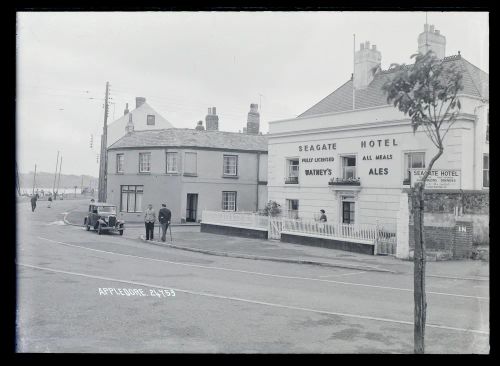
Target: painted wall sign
<point x="378" y="143"/>
<point x="318" y="147"/>
<point x="438" y="178"/>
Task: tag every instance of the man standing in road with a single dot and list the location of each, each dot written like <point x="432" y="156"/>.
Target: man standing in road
<point x="49" y="200"/>
<point x="149" y="220"/>
<point x="33" y="202"/>
<point x="164" y="217"/>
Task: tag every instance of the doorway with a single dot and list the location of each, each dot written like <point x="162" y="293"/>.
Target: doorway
<point x="191" y="207"/>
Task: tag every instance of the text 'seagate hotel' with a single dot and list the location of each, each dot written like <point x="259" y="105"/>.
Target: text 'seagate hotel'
<point x="353" y="154"/>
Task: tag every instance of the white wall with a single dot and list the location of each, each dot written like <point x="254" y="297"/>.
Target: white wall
<point x="116" y="129"/>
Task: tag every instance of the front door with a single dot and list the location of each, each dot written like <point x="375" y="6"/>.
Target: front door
<point x="191" y="207"/>
<point x="347" y="212"/>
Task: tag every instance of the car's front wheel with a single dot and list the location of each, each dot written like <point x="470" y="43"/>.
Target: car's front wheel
<point x="86" y="223"/>
<point x="121" y="232"/>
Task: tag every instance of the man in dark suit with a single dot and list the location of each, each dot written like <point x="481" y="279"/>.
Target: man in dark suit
<point x="164" y="217"/>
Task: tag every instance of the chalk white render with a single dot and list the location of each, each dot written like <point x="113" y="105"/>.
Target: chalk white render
<point x="143" y="118"/>
<point x="356" y="134"/>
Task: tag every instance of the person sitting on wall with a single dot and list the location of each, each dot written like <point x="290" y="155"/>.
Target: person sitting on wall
<point x="149" y="221"/>
<point x="164" y="216"/>
<point x="323" y="216"/>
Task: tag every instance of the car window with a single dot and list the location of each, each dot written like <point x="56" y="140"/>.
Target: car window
<point x="107" y="209"/>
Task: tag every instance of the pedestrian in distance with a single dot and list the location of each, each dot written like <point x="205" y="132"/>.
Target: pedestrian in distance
<point x="164" y="216"/>
<point x="34" y="198"/>
<point x="322" y="218"/>
<point x="149" y="221"/>
<point x="49" y="200"/>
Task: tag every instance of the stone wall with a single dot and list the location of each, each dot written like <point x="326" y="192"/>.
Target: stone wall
<point x="454" y="221"/>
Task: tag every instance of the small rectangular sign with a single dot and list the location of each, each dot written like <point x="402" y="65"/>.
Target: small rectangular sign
<point x="438" y="178"/>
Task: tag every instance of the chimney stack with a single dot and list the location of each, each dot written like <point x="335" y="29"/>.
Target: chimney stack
<point x="139" y="101"/>
<point x="253" y="120"/>
<point x="431" y="39"/>
<point x="364" y="61"/>
<point x="130" y="125"/>
<point x="212" y="120"/>
<point x="199" y="126"/>
<point x="126" y="111"/>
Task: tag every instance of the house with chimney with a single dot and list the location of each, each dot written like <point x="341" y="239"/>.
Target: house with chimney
<point x="190" y="170"/>
<point x="143" y="118"/>
<point x="355" y="156"/>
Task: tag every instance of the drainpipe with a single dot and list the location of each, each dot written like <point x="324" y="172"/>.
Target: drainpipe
<point x="258" y="171"/>
<point x="474" y="165"/>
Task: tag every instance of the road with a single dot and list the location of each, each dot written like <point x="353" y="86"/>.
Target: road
<point x="71" y="299"/>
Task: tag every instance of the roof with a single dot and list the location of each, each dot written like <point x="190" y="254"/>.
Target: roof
<point x="190" y="138"/>
<point x="475" y="81"/>
<point x="144" y="105"/>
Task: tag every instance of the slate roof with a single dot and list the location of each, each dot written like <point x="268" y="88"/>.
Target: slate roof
<point x="190" y="138"/>
<point x="475" y="81"/>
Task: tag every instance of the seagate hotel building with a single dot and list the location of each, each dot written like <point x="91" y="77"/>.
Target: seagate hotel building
<point x="353" y="155"/>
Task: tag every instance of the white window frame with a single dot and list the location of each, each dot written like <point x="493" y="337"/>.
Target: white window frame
<point x="120" y="158"/>
<point x="352" y="199"/>
<point x="228" y="158"/>
<point x="342" y="167"/>
<point x="291" y="213"/>
<point x="148" y="119"/>
<point x="229" y="205"/>
<point x="486" y="170"/>
<point x="292" y="170"/>
<point x="138" y="189"/>
<point x="142" y="163"/>
<point x="176" y="160"/>
<point x="406" y="161"/>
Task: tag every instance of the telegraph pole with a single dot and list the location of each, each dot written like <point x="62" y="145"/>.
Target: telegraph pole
<point x="103" y="168"/>
<point x="81" y="186"/>
<point x="55" y="175"/>
<point x="34" y="181"/>
<point x="59" y="177"/>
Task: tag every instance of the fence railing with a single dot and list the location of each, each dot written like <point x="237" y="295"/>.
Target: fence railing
<point x="366" y="232"/>
<point x="338" y="230"/>
<point x="240" y="219"/>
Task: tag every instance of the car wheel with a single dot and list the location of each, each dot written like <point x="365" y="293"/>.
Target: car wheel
<point x="99" y="231"/>
<point x="121" y="232"/>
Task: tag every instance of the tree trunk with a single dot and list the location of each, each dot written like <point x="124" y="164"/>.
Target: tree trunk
<point x="419" y="267"/>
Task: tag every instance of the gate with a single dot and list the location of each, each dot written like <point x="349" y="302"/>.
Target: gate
<point x="275" y="227"/>
<point x="386" y="243"/>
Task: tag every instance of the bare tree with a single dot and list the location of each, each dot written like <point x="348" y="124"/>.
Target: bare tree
<point x="427" y="92"/>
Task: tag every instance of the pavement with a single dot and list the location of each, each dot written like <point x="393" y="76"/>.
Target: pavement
<point x="188" y="237"/>
<point x="82" y="292"/>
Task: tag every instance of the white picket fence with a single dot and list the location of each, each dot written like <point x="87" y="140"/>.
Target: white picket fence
<point x="237" y="219"/>
<point x="276" y="225"/>
<point x="366" y="233"/>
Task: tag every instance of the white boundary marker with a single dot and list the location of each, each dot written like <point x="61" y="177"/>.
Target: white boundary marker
<point x="260" y="273"/>
<point x="355" y="316"/>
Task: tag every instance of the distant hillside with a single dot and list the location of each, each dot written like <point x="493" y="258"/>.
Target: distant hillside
<point x="47" y="180"/>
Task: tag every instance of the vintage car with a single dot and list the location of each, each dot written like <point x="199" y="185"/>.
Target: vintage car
<point x="102" y="217"/>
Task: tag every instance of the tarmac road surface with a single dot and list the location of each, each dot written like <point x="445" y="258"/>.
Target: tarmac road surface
<point x="83" y="292"/>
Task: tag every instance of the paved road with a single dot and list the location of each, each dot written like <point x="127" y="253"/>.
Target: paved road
<point x="199" y="303"/>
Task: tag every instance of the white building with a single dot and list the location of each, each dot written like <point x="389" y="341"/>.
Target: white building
<point x="367" y="148"/>
<point x="143" y="117"/>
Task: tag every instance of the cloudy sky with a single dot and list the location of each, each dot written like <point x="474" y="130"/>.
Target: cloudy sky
<point x="183" y="63"/>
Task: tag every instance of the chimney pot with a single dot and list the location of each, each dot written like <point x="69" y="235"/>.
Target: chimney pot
<point x="431" y="28"/>
<point x="212" y="120"/>
<point x="213" y="111"/>
<point x="437" y="32"/>
<point x="139" y="101"/>
<point x="367" y="44"/>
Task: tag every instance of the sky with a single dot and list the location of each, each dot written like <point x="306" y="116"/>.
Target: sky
<point x="185" y="62"/>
